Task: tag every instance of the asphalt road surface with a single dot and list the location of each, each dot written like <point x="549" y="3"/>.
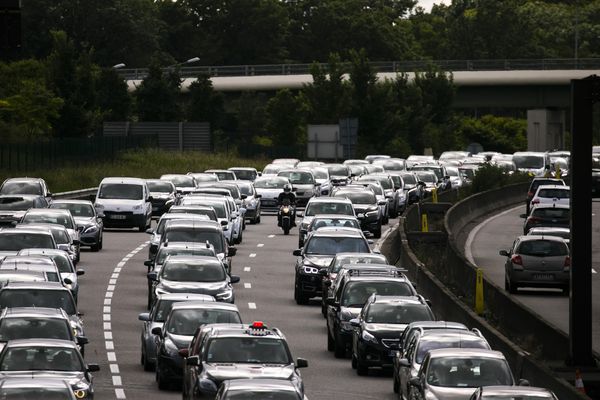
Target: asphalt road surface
<point x="113" y="292"/>
<point x="499" y="232"/>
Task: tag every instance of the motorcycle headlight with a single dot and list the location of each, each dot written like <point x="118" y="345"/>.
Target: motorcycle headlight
<point x="286" y="209"/>
<point x="310" y="270"/>
<point x="367" y="337"/>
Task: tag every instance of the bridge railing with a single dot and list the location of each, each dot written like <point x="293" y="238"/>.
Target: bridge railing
<point x="381" y="66"/>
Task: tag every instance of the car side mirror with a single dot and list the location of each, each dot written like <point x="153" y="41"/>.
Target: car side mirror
<point x="232" y="251"/>
<point x="257" y="196"/>
<point x="152" y="276"/>
<point x="150" y="198"/>
<point x="79" y="229"/>
<point x="301" y="363"/>
<point x="297" y="252"/>
<point x="331" y="302"/>
<point x="80" y="272"/>
<point x="67" y="281"/>
<point x="224" y="223"/>
<point x="82" y="340"/>
<point x="193" y="361"/>
<point x="244" y="196"/>
<point x="93" y="368"/>
<point x="144" y="316"/>
<point x="503" y="253"/>
<point x="148" y="263"/>
<point x="156" y="331"/>
<point x="355" y="322"/>
<point x="234" y="279"/>
<point x="382" y="203"/>
<point x="150" y="231"/>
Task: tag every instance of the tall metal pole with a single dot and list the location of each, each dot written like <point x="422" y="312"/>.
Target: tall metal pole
<point x="580" y="316"/>
<point x="576" y="51"/>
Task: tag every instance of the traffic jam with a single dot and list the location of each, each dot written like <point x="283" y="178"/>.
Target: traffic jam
<point x="193" y="337"/>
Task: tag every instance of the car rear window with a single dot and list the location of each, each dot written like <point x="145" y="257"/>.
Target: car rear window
<point x="18" y="241"/>
<point x="397" y="313"/>
<point x="333" y="245"/>
<point x="558" y="213"/>
<point x="15" y="203"/>
<point x="21" y="188"/>
<point x="554" y="193"/>
<point x="357" y="293"/>
<point x="543" y="248"/>
<point x="38" y="298"/>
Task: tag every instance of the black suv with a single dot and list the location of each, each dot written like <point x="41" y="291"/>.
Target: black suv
<point x="219" y="352"/>
<point x="317" y="253"/>
<point x="366" y="208"/>
<point x="352" y="292"/>
<point x="379" y="326"/>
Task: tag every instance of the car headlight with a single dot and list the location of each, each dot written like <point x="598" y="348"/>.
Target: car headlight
<point x="225" y="295"/>
<point x="170" y="349"/>
<point x="372" y="213"/>
<point x="207" y="386"/>
<point x="137" y="207"/>
<point x="90" y="229"/>
<point x="310" y="270"/>
<point x="81" y="390"/>
<point x="367" y="337"/>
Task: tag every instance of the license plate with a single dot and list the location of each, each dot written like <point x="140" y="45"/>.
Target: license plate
<point x="543" y="277"/>
<point x="117" y="216"/>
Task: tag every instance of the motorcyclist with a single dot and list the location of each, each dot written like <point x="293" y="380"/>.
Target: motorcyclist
<point x="288" y="195"/>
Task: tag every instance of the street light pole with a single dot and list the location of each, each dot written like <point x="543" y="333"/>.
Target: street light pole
<point x="576" y="50"/>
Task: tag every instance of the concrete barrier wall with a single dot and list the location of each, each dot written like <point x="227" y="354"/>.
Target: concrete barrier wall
<point x="449" y="307"/>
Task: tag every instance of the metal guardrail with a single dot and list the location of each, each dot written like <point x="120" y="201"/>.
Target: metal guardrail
<point x="380" y="66"/>
<point x="82" y="194"/>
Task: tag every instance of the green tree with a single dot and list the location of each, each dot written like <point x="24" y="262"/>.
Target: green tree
<point x="114" y="100"/>
<point x="285" y="119"/>
<point x="502" y="134"/>
<point x="157" y="96"/>
<point x="26" y="104"/>
<point x="205" y="105"/>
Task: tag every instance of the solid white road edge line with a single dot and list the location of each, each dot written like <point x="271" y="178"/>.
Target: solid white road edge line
<point x="475" y="231"/>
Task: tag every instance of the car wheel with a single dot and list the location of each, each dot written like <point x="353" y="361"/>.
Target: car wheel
<point x="299" y="297"/>
<point x="101" y="242"/>
<point x="339" y="350"/>
<point x="148" y="366"/>
<point x="324" y="309"/>
<point x="162" y="383"/>
<point x="396" y="385"/>
<point x="377" y="233"/>
<point x="361" y="369"/>
<point x="353" y="362"/>
<point x="257" y="221"/>
<point x="511" y="286"/>
<point x="565" y="290"/>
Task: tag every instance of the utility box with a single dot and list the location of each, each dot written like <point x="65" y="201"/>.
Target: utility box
<point x="545" y="129"/>
<point x="324" y="142"/>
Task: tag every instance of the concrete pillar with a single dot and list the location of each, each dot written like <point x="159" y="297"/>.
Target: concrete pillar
<point x="545" y="129"/>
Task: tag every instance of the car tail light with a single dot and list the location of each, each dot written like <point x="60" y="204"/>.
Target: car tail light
<point x="535" y="201"/>
<point x="516" y="259"/>
<point x="534" y="220"/>
<point x="567" y="261"/>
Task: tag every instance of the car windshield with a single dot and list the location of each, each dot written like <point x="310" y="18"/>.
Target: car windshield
<point x="448" y="342"/>
<point x="15" y="241"/>
<point x="197" y="211"/>
<point x="357" y="293"/>
<point x="397" y="313"/>
<point x="552" y="213"/>
<point x="299" y="178"/>
<point x="219" y="207"/>
<point x="320" y="174"/>
<point x="468" y="372"/>
<point x="531" y="161"/>
<point x="256" y="350"/>
<point x="386" y="183"/>
<point x="245" y="174"/>
<point x="197" y="236"/>
<point x="169" y="251"/>
<point x="316" y="208"/>
<point x="41" y="358"/>
<point x="336" y="222"/>
<point x="121" y="191"/>
<point x="183" y="272"/>
<point x="22" y="188"/>
<point x="15" y="203"/>
<point x="63" y="263"/>
<point x="359" y="197"/>
<point x="261" y="394"/>
<point x="565" y="234"/>
<point x="77" y="210"/>
<point x="409" y="179"/>
<point x="41" y="218"/>
<point x="543" y="248"/>
<point x="21" y="276"/>
<point x="34" y="328"/>
<point x="11" y="298"/>
<point x="202" y="177"/>
<point x="186" y="321"/>
<point x="270" y="183"/>
<point x="246" y="189"/>
<point x="520" y="396"/>
<point x="338" y="170"/>
<point x="426" y="176"/>
<point x="554" y="193"/>
<point x="61" y="236"/>
<point x="349" y="260"/>
<point x="389" y="165"/>
<point x="159" y="187"/>
<point x="35" y="393"/>
<point x="180" y="180"/>
<point x="332" y="245"/>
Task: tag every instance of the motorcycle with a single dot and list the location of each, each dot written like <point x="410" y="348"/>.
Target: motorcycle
<point x="286" y="211"/>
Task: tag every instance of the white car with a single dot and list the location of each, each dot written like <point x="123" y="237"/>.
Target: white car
<point x="551" y="194"/>
<point x="125" y="203"/>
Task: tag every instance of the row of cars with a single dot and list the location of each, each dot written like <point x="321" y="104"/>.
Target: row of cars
<point x="375" y="316"/>
<point x="42" y="337"/>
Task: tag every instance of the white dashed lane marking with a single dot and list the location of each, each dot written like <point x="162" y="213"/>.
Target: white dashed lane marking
<point x="260" y="245"/>
<point x="247" y="269"/>
<point x="247" y="285"/>
<point x="106" y="317"/>
<point x="252" y="255"/>
<point x="271" y="236"/>
<point x="252" y="306"/>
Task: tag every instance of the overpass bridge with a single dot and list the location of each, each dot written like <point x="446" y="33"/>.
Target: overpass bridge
<point x="509" y="84"/>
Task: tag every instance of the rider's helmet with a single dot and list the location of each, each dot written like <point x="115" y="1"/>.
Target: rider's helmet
<point x="287" y="188"/>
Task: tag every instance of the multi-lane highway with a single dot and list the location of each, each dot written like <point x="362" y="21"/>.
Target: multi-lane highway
<point x="113" y="293"/>
<point x="498" y="232"/>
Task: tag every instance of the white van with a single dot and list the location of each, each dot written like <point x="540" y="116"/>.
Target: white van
<point x="535" y="163"/>
<point x="125" y="203"/>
